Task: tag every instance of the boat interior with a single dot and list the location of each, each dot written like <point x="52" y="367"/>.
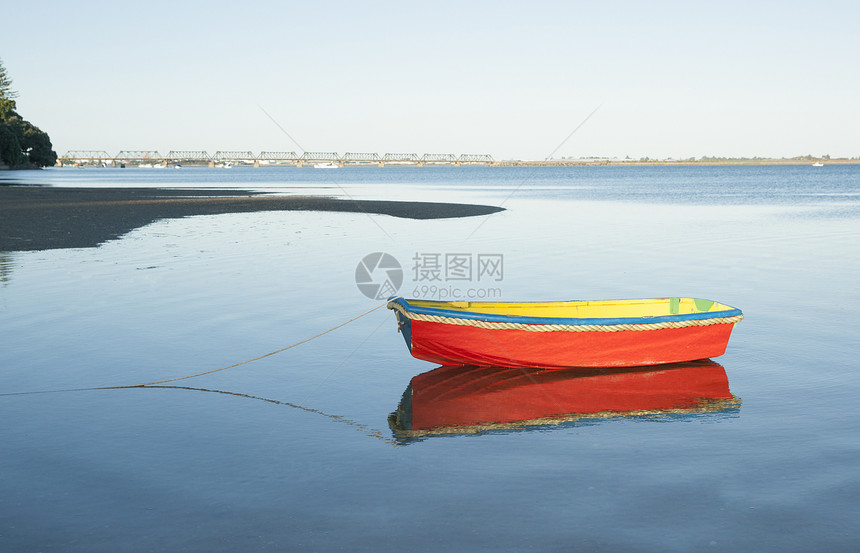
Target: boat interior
<point x="586" y="309"/>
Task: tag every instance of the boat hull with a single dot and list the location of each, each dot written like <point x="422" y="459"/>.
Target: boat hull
<point x="449" y="341"/>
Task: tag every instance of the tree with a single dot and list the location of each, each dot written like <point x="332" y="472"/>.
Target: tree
<point x="7" y="95"/>
<point x="10" y="148"/>
<point x="34" y="143"/>
<point x="21" y="142"/>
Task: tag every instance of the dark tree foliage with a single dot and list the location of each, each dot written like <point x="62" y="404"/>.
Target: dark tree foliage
<point x="34" y="143"/>
<point x="10" y="148"/>
<point x="22" y="144"/>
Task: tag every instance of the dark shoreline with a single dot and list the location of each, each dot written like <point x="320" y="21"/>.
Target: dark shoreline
<point x="42" y="218"/>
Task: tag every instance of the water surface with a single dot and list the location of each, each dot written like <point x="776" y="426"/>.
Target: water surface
<point x="317" y="467"/>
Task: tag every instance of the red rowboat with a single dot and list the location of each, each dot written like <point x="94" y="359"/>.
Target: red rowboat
<point x="605" y="333"/>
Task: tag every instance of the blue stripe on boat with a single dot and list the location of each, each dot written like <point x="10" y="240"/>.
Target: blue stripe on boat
<point x="561" y="321"/>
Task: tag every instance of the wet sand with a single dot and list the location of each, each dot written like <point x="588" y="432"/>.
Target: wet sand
<point x="33" y="218"/>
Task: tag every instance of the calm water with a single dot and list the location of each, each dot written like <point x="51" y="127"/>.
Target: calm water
<point x="317" y="468"/>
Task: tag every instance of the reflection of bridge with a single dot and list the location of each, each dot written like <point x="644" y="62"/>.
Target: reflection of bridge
<point x="199" y="157"/>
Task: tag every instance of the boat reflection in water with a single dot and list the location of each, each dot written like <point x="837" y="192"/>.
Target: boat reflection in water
<point x="467" y="399"/>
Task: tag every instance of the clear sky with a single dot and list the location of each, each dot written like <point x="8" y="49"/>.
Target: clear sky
<point x="512" y="79"/>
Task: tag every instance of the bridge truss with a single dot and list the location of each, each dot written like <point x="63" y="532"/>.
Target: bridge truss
<point x="475" y="158"/>
<point x="269" y="157"/>
<point x="358" y="158"/>
<point x="86" y="156"/>
<point x="278" y="156"/>
<point x="400" y="158"/>
<point x="318" y="157"/>
<point x="439" y="159"/>
<point x="234" y="156"/>
<point x="138" y="155"/>
<point x="188" y="156"/>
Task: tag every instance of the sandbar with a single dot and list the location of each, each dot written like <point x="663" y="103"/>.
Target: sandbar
<point x="42" y="218"/>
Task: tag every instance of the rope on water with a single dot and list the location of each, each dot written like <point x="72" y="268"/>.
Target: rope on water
<point x="249" y="360"/>
<point x="144" y="384"/>
<point x="562" y="327"/>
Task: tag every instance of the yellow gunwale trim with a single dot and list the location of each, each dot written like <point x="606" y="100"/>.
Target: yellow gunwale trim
<point x="491" y="325"/>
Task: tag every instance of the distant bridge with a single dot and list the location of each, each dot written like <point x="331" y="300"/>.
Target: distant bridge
<point x="222" y="158"/>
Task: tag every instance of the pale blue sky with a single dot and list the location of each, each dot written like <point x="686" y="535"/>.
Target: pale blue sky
<point x="511" y="79"/>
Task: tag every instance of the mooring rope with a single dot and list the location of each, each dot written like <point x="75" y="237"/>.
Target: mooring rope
<point x="365" y="429"/>
<point x="153" y="383"/>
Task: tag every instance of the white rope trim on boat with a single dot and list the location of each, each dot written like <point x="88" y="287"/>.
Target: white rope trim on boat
<point x="562" y="327"/>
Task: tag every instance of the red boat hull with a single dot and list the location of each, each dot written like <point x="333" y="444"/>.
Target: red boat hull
<point x="449" y="344"/>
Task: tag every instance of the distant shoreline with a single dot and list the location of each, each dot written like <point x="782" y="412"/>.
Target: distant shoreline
<point x="669" y="163"/>
<point x="582" y="162"/>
